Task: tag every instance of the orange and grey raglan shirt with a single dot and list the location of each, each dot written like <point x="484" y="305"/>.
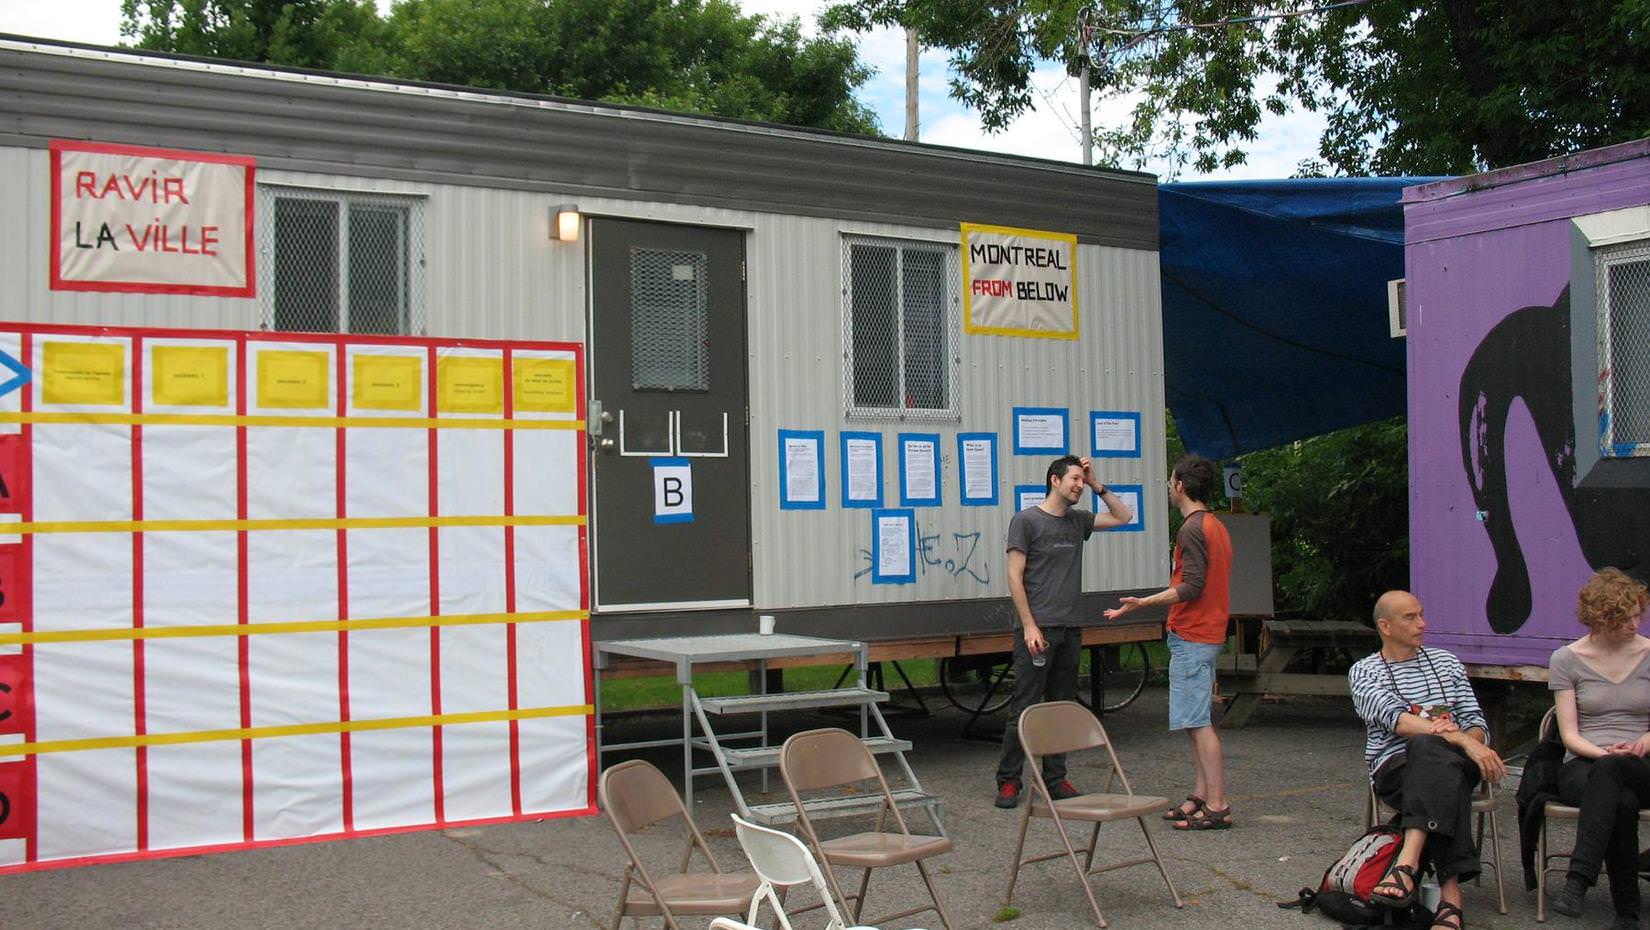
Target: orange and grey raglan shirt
<point x="1202" y="577"/>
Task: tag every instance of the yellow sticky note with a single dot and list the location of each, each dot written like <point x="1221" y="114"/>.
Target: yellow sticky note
<point x="470" y="385"/>
<point x="85" y="373"/>
<point x="190" y="376"/>
<point x="545" y="385"/>
<point x="388" y="382"/>
<point x="293" y="380"/>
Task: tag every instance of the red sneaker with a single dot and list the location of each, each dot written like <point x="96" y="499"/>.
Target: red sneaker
<point x="1063" y="789"/>
<point x="1008" y="795"/>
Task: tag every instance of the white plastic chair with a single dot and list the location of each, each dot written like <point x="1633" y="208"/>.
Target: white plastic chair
<point x="780" y="861"/>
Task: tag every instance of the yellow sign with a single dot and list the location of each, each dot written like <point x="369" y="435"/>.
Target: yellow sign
<point x="293" y="380"/>
<point x="470" y="385"/>
<point x="85" y="373"/>
<point x="388" y="382"/>
<point x="190" y="376"/>
<point x="545" y="385"/>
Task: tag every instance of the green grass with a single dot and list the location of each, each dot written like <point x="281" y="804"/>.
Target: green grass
<point x="663" y="691"/>
<point x="622" y="694"/>
<point x="1005" y="914"/>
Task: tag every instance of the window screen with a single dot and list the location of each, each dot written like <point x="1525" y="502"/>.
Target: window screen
<point x="900" y="320"/>
<point x="669" y="307"/>
<point x="1624" y="347"/>
<point x="341" y="262"/>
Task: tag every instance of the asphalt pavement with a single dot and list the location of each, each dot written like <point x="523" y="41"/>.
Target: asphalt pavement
<point x="1297" y="791"/>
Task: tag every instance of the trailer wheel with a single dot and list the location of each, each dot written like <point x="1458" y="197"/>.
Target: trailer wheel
<point x="978" y="685"/>
<point x="984" y="684"/>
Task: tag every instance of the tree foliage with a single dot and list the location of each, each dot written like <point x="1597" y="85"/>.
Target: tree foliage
<point x="1340" y="518"/>
<point x="699" y="56"/>
<point x="1406" y="86"/>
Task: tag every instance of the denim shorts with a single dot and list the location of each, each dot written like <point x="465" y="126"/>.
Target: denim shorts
<point x="1191" y="682"/>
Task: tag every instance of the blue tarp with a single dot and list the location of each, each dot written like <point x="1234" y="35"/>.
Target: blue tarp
<point x="1275" y="309"/>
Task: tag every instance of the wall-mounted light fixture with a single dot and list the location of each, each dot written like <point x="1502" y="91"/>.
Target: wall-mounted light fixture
<point x="565" y="224"/>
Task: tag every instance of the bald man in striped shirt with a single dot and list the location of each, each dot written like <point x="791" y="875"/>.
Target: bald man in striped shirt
<point x="1426" y="747"/>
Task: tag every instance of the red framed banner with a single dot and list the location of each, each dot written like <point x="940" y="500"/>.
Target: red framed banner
<point x="270" y="588"/>
<point x="151" y="221"/>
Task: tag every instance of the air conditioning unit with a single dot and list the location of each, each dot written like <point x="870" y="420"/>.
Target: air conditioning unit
<point x="1396" y="319"/>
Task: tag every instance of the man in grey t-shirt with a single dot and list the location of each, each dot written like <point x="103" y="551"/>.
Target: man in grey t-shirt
<point x="1045" y="581"/>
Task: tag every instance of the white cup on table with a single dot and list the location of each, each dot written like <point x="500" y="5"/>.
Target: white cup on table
<point x="764" y="624"/>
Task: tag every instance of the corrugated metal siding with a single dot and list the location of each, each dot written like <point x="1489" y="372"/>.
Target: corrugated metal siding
<point x="808" y="558"/>
<point x="491" y="271"/>
<point x="375" y="128"/>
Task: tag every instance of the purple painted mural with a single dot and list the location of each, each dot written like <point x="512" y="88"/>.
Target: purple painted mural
<point x="1511" y="509"/>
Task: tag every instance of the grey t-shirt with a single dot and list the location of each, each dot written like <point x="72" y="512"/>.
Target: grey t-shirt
<point x="1607" y="712"/>
<point x="1054" y="561"/>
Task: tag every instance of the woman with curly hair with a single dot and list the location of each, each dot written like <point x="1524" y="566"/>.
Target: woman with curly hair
<point x="1601" y="688"/>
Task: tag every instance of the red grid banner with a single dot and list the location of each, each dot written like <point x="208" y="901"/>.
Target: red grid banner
<point x="337" y="604"/>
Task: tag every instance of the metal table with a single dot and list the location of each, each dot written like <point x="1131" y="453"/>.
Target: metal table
<point x="686" y="651"/>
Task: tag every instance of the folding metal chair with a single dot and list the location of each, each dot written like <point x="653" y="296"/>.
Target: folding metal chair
<point x="819" y="760"/>
<point x="1485" y="803"/>
<point x="1554" y="811"/>
<point x="782" y="862"/>
<point x="1067" y="726"/>
<point x="635" y="795"/>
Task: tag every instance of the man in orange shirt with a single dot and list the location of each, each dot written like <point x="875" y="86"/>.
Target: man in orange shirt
<point x="1200" y="602"/>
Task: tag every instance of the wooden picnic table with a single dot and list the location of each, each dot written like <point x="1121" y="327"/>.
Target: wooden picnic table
<point x="1280" y="642"/>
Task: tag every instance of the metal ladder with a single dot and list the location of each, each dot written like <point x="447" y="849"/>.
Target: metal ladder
<point x="764" y="757"/>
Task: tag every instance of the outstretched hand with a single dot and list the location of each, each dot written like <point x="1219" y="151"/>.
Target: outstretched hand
<point x="1127" y="604"/>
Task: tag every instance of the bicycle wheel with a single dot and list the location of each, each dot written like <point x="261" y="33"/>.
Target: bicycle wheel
<point x="1125" y="667"/>
<point x="978" y="684"/>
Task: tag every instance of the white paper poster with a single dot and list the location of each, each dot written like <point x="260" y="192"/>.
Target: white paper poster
<point x="862" y="469"/>
<point x="1114" y="434"/>
<point x="278" y="587"/>
<point x="919" y="469"/>
<point x="1039" y="430"/>
<point x="978" y="455"/>
<point x="893" y="540"/>
<point x="801" y="481"/>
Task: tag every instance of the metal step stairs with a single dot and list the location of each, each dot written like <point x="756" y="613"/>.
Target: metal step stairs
<point x="763" y="757"/>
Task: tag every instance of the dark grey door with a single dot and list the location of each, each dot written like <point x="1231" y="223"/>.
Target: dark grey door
<point x="670" y="466"/>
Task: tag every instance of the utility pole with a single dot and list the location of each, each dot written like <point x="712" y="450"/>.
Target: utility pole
<point x="1085" y="35"/>
<point x="912" y="52"/>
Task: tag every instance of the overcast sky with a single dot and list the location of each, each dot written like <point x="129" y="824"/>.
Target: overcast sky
<point x="1049" y="132"/>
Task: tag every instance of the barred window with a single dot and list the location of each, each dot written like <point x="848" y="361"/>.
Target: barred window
<point x="335" y="262"/>
<point x="899" y="319"/>
<point x="1623" y="276"/>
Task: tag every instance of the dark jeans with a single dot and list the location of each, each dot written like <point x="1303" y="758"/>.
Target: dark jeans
<point x="1431" y="786"/>
<point x="1609" y="792"/>
<point x="1054" y="681"/>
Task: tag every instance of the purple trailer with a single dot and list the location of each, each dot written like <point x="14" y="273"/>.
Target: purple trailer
<point x="1528" y="325"/>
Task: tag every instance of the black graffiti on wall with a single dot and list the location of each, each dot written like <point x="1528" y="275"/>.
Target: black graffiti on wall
<point x="1526" y="357"/>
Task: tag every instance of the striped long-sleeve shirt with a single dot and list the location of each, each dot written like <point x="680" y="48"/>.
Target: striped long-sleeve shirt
<point x="1382" y="691"/>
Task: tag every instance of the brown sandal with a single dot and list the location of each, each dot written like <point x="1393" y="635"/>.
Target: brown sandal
<point x="1207" y="818"/>
<point x="1179" y="811"/>
<point x="1442" y="918"/>
<point x="1394" y="879"/>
